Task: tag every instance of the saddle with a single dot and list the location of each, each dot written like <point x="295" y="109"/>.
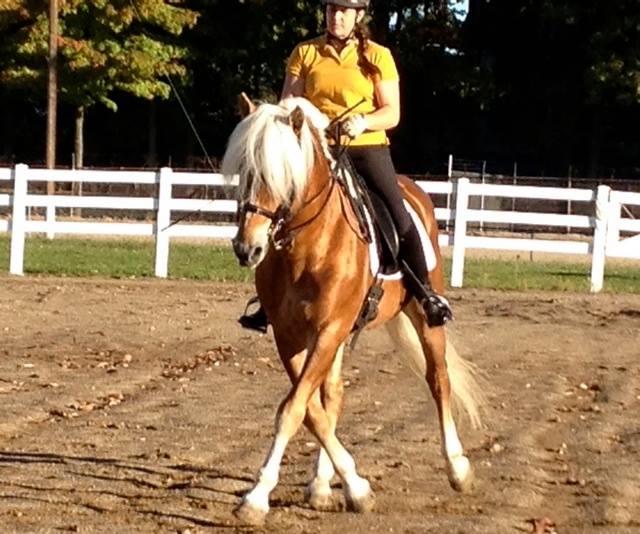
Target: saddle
<point x="374" y="218"/>
<point x="376" y="223"/>
<point x="377" y="226"/>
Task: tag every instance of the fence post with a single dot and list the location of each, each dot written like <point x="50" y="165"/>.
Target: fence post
<point x="163" y="220"/>
<point x="459" y="231"/>
<point x="51" y="215"/>
<point x="599" y="245"/>
<point x="18" y="219"/>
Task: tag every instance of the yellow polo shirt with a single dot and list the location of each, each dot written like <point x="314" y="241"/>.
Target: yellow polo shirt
<point x="333" y="82"/>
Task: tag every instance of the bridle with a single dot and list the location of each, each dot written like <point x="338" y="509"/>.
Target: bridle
<point x="280" y="232"/>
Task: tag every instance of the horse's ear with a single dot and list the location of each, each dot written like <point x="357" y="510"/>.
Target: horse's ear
<point x="244" y="105"/>
<point x="296" y="119"/>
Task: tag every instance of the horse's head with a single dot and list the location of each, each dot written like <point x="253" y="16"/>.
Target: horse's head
<point x="273" y="151"/>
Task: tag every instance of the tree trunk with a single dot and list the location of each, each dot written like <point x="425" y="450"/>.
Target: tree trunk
<point x="79" y="139"/>
<point x="79" y="155"/>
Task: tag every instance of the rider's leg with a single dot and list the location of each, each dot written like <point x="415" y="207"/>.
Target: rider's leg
<point x="435" y="306"/>
<point x="375" y="166"/>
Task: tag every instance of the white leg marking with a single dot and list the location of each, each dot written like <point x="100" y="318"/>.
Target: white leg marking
<point x="258" y="497"/>
<point x="319" y="492"/>
<point x="458" y="466"/>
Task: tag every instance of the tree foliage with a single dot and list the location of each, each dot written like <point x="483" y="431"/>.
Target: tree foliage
<point x="551" y="84"/>
<point x="104" y="46"/>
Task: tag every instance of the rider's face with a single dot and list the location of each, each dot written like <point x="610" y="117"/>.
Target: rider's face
<point x="342" y="20"/>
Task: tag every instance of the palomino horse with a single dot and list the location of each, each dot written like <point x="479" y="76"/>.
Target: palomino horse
<point x="298" y="230"/>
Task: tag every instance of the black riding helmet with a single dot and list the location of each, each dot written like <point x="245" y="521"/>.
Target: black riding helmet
<point x="357" y="4"/>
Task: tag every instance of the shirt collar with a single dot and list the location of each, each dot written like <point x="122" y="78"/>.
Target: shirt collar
<point x="352" y="43"/>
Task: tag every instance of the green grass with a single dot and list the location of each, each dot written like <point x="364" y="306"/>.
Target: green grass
<point x="128" y="258"/>
<point x="123" y="258"/>
<point x="525" y="275"/>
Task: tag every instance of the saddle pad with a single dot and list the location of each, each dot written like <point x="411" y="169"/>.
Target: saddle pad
<point x="427" y="247"/>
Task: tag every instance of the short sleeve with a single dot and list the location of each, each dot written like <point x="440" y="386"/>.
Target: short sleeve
<point x="383" y="59"/>
<point x="295" y="65"/>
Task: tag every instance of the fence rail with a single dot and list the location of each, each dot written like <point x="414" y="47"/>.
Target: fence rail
<point x="613" y="232"/>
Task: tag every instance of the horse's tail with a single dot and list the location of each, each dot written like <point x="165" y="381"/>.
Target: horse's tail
<point x="464" y="384"/>
<point x="463" y="375"/>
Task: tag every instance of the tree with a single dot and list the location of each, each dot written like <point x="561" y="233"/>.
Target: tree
<point x="104" y="47"/>
<point x="565" y="75"/>
<point x="242" y="45"/>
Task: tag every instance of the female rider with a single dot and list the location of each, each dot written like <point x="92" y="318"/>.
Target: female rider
<point x="342" y="70"/>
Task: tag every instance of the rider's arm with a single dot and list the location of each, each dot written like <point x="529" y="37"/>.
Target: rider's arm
<point x="387" y="114"/>
<point x="293" y="86"/>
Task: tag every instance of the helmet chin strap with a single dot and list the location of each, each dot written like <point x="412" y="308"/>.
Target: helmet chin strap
<point x="341" y="40"/>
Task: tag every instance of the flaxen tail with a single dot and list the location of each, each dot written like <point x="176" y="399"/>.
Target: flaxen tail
<point x="463" y="375"/>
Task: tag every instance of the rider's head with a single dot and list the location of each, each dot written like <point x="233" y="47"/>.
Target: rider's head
<point x="342" y="16"/>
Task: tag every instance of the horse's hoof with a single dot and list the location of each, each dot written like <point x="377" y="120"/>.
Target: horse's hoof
<point x="249" y="514"/>
<point x="460" y="474"/>
<point x="321" y="501"/>
<point x="360" y="505"/>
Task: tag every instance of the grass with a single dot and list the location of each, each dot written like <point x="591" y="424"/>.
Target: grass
<point x="123" y="258"/>
<point x="523" y="275"/>
<point x="134" y="258"/>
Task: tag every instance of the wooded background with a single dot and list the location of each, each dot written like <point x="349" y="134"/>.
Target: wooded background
<point x="553" y="85"/>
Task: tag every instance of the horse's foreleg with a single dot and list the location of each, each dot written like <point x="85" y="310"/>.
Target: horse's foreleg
<point x="319" y="494"/>
<point x="289" y="417"/>
<point x="357" y="490"/>
<point x="322" y="416"/>
<point x="255" y="504"/>
<point x="459" y="469"/>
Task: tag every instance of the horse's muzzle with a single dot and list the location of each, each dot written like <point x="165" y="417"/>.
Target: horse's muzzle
<point x="248" y="255"/>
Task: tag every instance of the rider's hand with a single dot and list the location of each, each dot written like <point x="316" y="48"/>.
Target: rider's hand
<point x="354" y="126"/>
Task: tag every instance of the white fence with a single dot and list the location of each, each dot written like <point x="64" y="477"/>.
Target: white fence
<point x="612" y="233"/>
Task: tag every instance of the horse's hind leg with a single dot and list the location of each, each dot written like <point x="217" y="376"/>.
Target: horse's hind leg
<point x="319" y="494"/>
<point x="427" y="347"/>
<point x="459" y="469"/>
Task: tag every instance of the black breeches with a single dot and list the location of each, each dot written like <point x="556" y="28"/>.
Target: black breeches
<point x="374" y="165"/>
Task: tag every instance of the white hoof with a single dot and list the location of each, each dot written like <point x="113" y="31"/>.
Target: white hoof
<point x="361" y="501"/>
<point x="250" y="514"/>
<point x="460" y="474"/>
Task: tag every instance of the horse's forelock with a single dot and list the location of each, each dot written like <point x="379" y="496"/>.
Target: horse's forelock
<point x="265" y="151"/>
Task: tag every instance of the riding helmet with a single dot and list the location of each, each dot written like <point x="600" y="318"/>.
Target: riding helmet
<point x="356" y="4"/>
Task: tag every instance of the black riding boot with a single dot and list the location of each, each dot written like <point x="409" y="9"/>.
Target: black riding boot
<point x="416" y="275"/>
<point x="257" y="320"/>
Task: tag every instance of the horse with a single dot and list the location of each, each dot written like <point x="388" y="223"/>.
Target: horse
<point x="297" y="229"/>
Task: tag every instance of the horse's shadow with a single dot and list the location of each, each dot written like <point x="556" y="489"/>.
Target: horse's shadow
<point x="132" y="483"/>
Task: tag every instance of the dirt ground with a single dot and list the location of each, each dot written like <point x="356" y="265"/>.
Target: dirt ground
<point x="140" y="406"/>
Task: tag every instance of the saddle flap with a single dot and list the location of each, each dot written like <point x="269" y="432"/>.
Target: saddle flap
<point x="386" y="229"/>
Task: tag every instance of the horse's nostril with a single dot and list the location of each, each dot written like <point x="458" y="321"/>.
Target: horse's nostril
<point x="257" y="252"/>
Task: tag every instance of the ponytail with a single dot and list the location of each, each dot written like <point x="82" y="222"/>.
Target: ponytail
<point x="362" y="33"/>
